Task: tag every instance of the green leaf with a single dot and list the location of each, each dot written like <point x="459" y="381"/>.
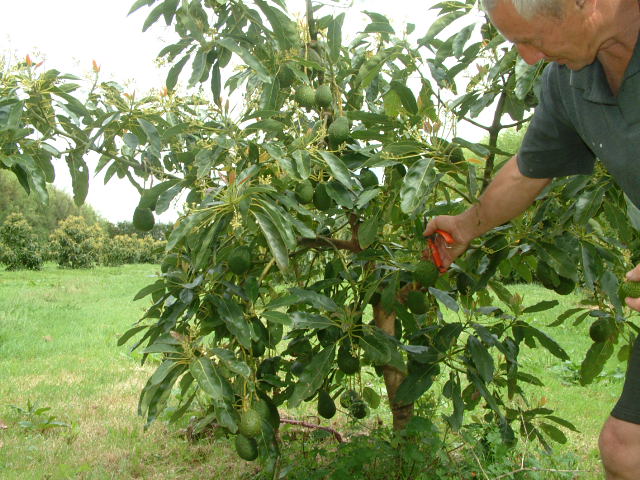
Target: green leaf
<point x="130" y="333"/>
<point x="525" y="77"/>
<point x="210" y="380"/>
<point x="277" y="317"/>
<point x="79" y="177"/>
<point x="139" y="4"/>
<point x="334" y="37"/>
<point x="232" y="315"/>
<point x="415" y="385"/>
<point x="149" y="289"/>
<point x="283" y="27"/>
<point x="153" y="16"/>
<point x="445" y="298"/>
<point x="313" y="376"/>
<point x="377" y="348"/>
<point x="230" y="361"/>
<point x="197" y="68"/>
<point x="274" y="240"/>
<point x="553" y="432"/>
<point x="247" y="57"/>
<point x="306" y="320"/>
<point x="406" y="97"/>
<point x="315" y="299"/>
<point x="371" y="397"/>
<point x="338" y="169"/>
<point x="482" y="359"/>
<point x="174" y="72"/>
<point x="368" y="232"/>
<point x="440" y="24"/>
<point x="541" y="306"/>
<point x="594" y="361"/>
<point x="152" y="136"/>
<point x="547" y="342"/>
<point x="418" y="184"/>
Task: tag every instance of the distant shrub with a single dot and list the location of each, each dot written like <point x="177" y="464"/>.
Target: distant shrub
<point x="74" y="244"/>
<point x="151" y="250"/>
<point x="128" y="249"/>
<point x="19" y="245"/>
<point x="121" y="250"/>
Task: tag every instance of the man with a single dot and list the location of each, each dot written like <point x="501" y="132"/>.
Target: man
<point x="589" y="107"/>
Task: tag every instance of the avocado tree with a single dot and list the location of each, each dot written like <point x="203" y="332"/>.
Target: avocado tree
<point x="299" y="261"/>
<point x="299" y="265"/>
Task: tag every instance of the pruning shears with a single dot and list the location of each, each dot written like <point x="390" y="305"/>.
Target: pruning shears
<point x="434" y="253"/>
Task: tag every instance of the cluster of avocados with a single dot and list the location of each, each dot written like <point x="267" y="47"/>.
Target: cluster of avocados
<point x="253" y="422"/>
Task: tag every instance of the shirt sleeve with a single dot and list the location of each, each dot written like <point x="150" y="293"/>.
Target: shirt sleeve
<point x="552" y="147"/>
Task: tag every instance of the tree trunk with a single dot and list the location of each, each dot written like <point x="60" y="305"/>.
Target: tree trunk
<point x="392" y="377"/>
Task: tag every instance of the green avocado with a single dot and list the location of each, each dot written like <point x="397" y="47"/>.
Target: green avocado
<point x="600" y="330"/>
<point x="546" y="276"/>
<point x="367" y="178"/>
<point x="565" y="286"/>
<point x="416" y="302"/>
<point x="347" y="363"/>
<point x="326" y="405"/>
<point x="305" y="96"/>
<point x="321" y="199"/>
<point x="426" y="274"/>
<point x="323" y="96"/>
<point x="143" y="219"/>
<point x="348" y="397"/>
<point x="359" y="409"/>
<point x="304" y="192"/>
<point x="240" y="260"/>
<point x="338" y="131"/>
<point x="250" y="423"/>
<point x="246" y="447"/>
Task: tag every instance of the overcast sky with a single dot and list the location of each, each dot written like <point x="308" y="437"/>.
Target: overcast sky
<point x="69" y="34"/>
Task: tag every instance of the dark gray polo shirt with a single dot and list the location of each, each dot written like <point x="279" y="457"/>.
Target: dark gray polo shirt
<point x="579" y="119"/>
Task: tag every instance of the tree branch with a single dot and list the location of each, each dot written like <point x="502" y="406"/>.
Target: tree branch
<point x="335" y="433"/>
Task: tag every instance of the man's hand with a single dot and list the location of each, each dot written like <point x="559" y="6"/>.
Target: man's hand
<point x="452" y="225"/>
<point x="634" y="276"/>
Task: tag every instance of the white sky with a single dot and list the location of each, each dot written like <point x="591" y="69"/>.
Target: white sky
<point x="69" y="34"/>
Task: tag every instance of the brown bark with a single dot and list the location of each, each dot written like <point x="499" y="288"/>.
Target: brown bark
<point x="392" y="377"/>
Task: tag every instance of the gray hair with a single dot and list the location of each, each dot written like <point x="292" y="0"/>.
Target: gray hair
<point x="530" y="8"/>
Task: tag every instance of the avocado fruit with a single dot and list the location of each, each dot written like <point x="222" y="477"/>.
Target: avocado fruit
<point x="143" y="219"/>
<point x="246" y="447"/>
<point x="323" y="96"/>
<point x="326" y="405"/>
<point x="338" y="131"/>
<point x="250" y="423"/>
<point x="305" y="96"/>
<point x="416" y="302"/>
<point x="240" y="260"/>
<point x="426" y="274"/>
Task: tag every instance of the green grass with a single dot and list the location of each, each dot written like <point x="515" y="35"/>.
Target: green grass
<point x="58" y="334"/>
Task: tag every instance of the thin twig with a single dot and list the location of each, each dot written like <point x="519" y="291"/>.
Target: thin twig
<point x="314" y="426"/>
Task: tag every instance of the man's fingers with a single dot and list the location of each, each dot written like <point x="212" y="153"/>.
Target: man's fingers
<point x="633" y="303"/>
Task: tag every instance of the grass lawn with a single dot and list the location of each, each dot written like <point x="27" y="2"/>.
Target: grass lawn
<point x="58" y="333"/>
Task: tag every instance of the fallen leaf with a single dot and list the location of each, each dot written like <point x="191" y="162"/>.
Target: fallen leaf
<point x="48" y="338"/>
<point x="3" y="426"/>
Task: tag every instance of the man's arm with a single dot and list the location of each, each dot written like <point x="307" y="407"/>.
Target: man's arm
<point x="506" y="197"/>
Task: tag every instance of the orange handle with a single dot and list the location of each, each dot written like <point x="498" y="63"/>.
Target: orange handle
<point x="435" y="253"/>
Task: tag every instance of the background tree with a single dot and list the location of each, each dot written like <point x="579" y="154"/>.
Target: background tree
<point x="19" y="246"/>
<point x="74" y="244"/>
